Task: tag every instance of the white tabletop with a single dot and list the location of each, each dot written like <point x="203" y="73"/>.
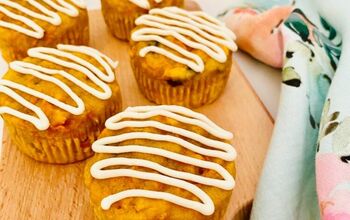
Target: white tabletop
<point x="264" y="80"/>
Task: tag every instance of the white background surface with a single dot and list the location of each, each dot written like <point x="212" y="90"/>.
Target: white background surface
<point x="265" y="80"/>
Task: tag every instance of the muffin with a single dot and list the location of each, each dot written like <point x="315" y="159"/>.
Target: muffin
<point x="27" y="24"/>
<point x="120" y="15"/>
<point x="55" y="102"/>
<point x="181" y="57"/>
<point x="161" y="162"/>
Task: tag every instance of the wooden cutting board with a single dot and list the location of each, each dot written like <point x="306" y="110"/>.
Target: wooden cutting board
<point x="33" y="190"/>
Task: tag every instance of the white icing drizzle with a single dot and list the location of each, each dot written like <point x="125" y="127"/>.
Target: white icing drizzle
<point x="194" y="29"/>
<point x="47" y="15"/>
<point x="144" y="3"/>
<point x="217" y="149"/>
<point x="52" y="55"/>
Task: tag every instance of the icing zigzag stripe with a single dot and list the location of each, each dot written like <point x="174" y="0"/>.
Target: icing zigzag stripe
<point x="52" y="55"/>
<point x="133" y="117"/>
<point x="194" y="29"/>
<point x="47" y="15"/>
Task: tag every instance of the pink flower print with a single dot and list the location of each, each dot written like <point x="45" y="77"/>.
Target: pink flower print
<point x="338" y="216"/>
<point x="260" y="34"/>
<point x="333" y="186"/>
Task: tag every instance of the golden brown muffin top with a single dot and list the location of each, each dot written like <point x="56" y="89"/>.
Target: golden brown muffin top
<point x="179" y="44"/>
<point x="36" y="16"/>
<point x="164" y="136"/>
<point x="52" y="73"/>
<point x="129" y="6"/>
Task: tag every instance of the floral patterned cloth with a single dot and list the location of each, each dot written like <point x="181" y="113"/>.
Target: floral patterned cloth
<point x="295" y="37"/>
<point x="333" y="157"/>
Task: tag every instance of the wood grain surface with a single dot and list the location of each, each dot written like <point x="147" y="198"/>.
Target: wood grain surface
<point x="32" y="190"/>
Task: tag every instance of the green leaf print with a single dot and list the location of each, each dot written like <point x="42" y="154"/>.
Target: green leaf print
<point x="332" y="51"/>
<point x="334" y="116"/>
<point x="296" y="24"/>
<point x="329" y="28"/>
<point x="328" y="122"/>
<point x="290" y="77"/>
<point x="341" y="138"/>
<point x="331" y="127"/>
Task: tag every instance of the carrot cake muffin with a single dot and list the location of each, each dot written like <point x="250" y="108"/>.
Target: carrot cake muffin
<point x="120" y="15"/>
<point x="30" y="23"/>
<point x="181" y="57"/>
<point x="55" y="102"/>
<point x="161" y="162"/>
